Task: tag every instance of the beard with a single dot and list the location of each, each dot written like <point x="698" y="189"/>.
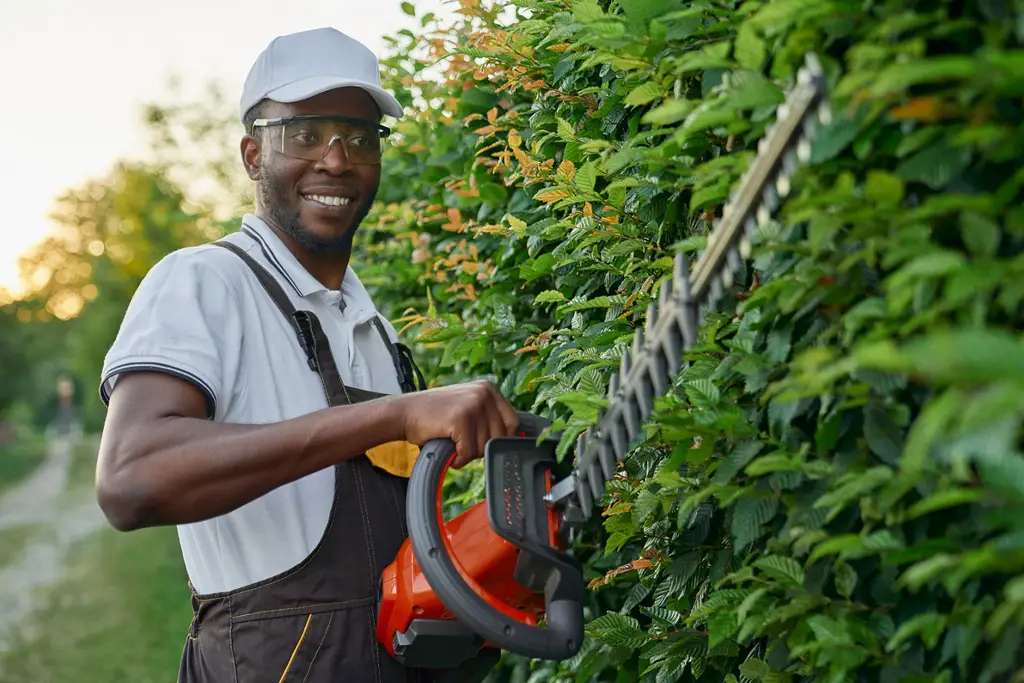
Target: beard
<point x="275" y="203"/>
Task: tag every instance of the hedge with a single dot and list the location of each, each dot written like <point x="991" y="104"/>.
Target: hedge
<point x="834" y="489"/>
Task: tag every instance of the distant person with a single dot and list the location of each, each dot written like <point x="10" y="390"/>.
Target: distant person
<point x="265" y="407"/>
<point x="67" y="417"/>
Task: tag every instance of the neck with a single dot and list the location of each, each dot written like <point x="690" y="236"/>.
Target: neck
<point x="328" y="268"/>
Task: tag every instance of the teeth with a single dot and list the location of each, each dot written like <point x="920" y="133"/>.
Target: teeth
<point x="329" y="201"/>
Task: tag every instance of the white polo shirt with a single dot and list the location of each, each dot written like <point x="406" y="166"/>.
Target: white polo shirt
<point x="200" y="314"/>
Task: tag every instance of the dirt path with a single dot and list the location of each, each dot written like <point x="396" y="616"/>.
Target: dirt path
<point x="62" y="516"/>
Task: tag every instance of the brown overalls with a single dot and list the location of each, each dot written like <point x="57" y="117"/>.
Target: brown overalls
<point x="314" y="623"/>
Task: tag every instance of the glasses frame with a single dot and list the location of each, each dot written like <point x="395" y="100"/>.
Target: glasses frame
<point x="383" y="132"/>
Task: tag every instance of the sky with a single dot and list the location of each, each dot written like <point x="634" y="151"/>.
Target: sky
<point x="74" y="76"/>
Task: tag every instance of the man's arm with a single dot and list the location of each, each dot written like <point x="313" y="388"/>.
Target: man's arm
<point x="162" y="462"/>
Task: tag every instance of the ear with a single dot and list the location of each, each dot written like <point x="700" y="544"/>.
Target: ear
<point x="251" y="157"/>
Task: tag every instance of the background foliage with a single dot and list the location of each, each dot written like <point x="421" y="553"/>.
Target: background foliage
<point x="852" y="413"/>
<point x="834" y="489"/>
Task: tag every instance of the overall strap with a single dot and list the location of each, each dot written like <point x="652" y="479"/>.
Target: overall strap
<point x="317" y="347"/>
<point x="409" y="375"/>
<point x="307" y="328"/>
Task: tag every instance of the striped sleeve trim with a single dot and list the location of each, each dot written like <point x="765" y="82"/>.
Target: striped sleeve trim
<point x="107" y="385"/>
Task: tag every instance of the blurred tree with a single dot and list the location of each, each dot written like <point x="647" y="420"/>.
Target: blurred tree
<point x="109" y="232"/>
<point x="12" y="357"/>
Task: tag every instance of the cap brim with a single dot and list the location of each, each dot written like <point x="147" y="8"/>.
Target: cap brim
<point x="308" y="87"/>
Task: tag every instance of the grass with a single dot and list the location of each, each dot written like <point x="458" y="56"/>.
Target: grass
<point x="19" y="458"/>
<point x="119" y="615"/>
<point x="82" y="472"/>
<point x="14" y="540"/>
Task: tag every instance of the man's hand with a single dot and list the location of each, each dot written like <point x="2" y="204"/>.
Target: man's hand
<point x="469" y="414"/>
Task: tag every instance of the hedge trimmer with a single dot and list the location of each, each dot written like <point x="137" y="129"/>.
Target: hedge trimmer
<point x="484" y="580"/>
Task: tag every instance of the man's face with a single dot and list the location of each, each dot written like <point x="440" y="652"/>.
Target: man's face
<point x="286" y="185"/>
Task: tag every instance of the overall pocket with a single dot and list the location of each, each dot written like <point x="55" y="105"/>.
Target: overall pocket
<point x="305" y="644"/>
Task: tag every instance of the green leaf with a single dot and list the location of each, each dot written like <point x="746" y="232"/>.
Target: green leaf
<point x="585" y="406"/>
<point x="755" y="669"/>
<point x="935" y="264"/>
<point x="855" y="488"/>
<point x="721" y="627"/>
<point x="645" y="93"/>
<point x="852" y="546"/>
<point x="780" y="568"/>
<point x="929" y="626"/>
<point x="538" y="267"/>
<point x="703" y="393"/>
<point x="943" y="499"/>
<point x="586" y="177"/>
<point x="934" y="68"/>
<point x="565" y="129"/>
<point x="737" y="459"/>
<point x="589" y="304"/>
<point x="549" y="296"/>
<point x="587" y="11"/>
<point x="749" y="49"/>
<point x="642" y="11"/>
<point x="980" y="234"/>
<point x="884" y="437"/>
<point x="935" y="166"/>
<point x="829" y="631"/>
<point x="670" y="111"/>
<point x="668" y="617"/>
<point x="845" y="579"/>
<point x="883" y="189"/>
<point x="408" y="9"/>
<point x="751" y="90"/>
<point x="750" y="602"/>
<point x="617" y="630"/>
<point x="971" y="355"/>
<point x="749" y="516"/>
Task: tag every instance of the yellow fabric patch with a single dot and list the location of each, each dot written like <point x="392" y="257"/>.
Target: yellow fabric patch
<point x="396" y="457"/>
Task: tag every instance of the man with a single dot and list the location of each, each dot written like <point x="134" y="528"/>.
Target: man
<point x="253" y="387"/>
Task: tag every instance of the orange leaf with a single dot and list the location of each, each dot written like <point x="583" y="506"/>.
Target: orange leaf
<point x="561" y="47"/>
<point x="486" y="130"/>
<point x="588" y="210"/>
<point x="567" y="169"/>
<point x="919" y="109"/>
<point x="514" y="139"/>
<point x="492" y="115"/>
<point x="521" y="157"/>
<point x="552" y="196"/>
<point x="454" y="223"/>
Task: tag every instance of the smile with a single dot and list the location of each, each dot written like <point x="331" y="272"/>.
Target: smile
<point x="326" y="200"/>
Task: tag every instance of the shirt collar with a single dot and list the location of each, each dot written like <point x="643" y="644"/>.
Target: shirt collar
<point x="354" y="297"/>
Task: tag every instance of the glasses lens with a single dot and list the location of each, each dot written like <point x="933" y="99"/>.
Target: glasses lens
<point x="312" y="139"/>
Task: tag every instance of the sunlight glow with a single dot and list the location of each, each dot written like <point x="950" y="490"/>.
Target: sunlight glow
<point x="95" y="65"/>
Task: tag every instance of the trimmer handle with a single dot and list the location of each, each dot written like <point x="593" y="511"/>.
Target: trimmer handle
<point x="517" y="476"/>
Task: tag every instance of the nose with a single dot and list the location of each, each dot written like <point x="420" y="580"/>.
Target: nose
<point x="335" y="159"/>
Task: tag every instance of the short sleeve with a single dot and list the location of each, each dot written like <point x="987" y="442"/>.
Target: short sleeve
<point x="182" y="320"/>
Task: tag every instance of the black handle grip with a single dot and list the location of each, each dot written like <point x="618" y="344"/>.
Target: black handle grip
<point x="564" y="590"/>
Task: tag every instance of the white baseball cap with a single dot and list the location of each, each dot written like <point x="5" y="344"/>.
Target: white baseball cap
<point x="300" y="65"/>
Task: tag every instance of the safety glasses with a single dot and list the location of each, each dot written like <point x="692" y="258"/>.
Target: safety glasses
<point x="311" y="137"/>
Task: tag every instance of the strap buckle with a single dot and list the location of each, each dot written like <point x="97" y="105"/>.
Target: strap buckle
<point x="304" y="331"/>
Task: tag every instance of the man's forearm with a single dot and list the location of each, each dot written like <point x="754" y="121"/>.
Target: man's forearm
<point x="177" y="470"/>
